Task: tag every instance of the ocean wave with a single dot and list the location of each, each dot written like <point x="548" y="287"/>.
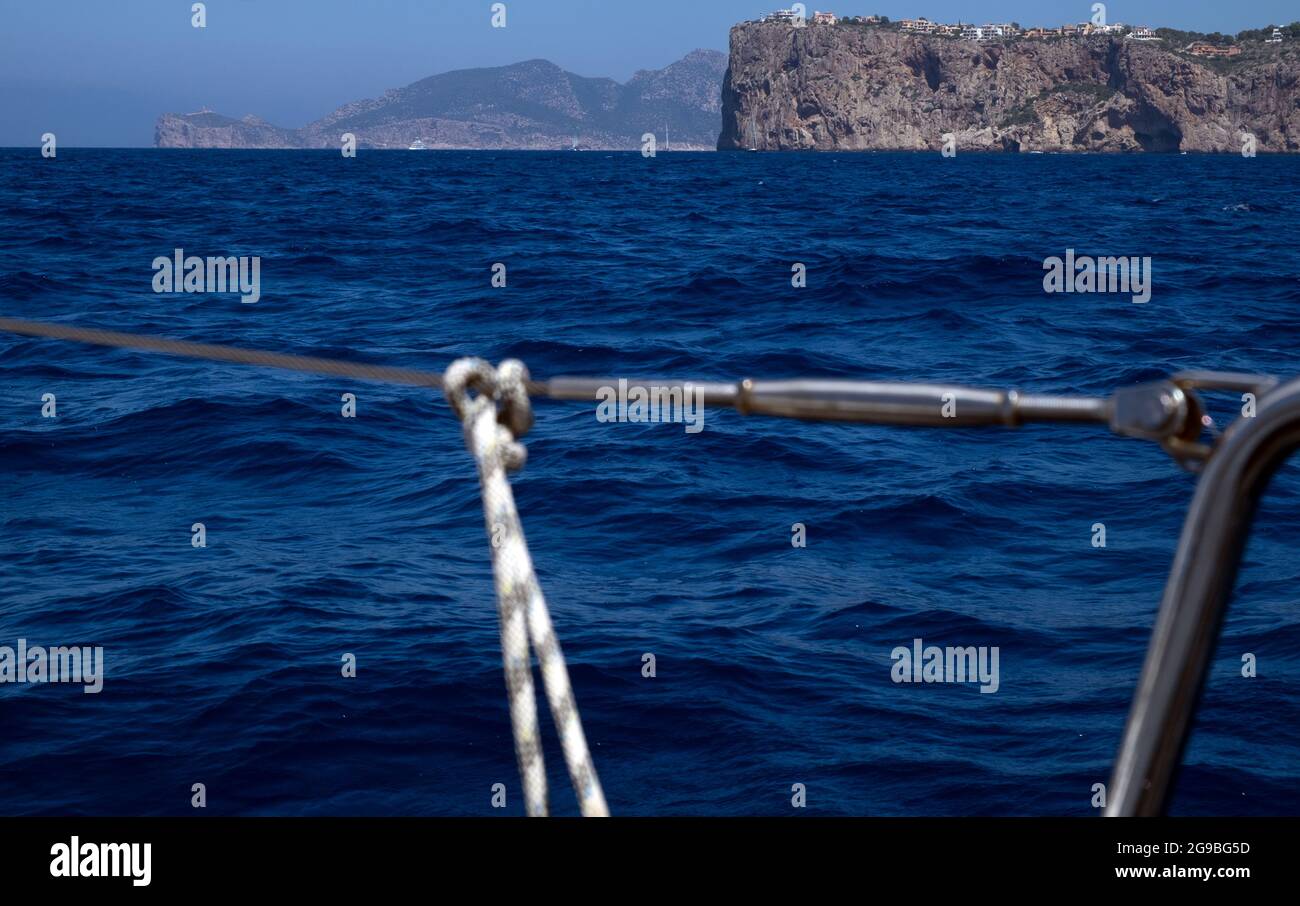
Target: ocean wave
<point x="329" y="536"/>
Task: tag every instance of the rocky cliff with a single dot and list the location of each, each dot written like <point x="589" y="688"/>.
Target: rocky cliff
<point x="856" y="87"/>
<point x="530" y="105"/>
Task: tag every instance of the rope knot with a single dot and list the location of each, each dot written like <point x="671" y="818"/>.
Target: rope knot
<point x="472" y="385"/>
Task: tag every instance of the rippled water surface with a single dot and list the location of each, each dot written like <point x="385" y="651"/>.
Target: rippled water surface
<point x="329" y="535"/>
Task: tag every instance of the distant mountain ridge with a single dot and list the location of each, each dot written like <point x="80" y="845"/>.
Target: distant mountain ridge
<point x="530" y="105"/>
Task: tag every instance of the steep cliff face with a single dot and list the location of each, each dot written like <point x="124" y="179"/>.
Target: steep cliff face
<point x="529" y="105"/>
<point x="849" y="87"/>
<point x="212" y="130"/>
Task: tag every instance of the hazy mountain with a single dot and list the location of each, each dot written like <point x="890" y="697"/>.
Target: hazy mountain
<point x="529" y="105"/>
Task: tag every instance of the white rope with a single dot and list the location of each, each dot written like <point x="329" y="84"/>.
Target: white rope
<point x="493" y="419"/>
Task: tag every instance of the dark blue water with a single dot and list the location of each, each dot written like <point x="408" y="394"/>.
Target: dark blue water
<point x="329" y="536"/>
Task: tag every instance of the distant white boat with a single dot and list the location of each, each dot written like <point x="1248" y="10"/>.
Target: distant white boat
<point x="416" y="145"/>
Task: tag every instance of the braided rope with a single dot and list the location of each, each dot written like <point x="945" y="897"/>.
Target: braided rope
<point x="490" y="434"/>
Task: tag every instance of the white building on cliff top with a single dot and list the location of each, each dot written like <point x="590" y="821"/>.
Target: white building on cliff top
<point x="792" y="16"/>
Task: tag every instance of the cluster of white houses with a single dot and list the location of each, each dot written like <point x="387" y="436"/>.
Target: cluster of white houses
<point x="991" y="32"/>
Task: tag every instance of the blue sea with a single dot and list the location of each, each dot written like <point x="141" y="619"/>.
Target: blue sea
<point x="329" y="536"/>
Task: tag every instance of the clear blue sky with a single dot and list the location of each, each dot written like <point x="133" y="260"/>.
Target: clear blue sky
<point x="98" y="72"/>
